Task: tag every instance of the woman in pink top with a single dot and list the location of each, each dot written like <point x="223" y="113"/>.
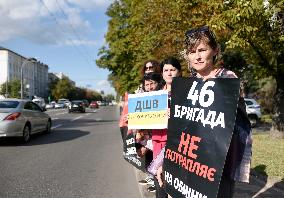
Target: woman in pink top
<point x="170" y="68"/>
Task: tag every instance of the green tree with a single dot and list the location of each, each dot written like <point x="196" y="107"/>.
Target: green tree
<point x="77" y="93"/>
<point x="14" y="88"/>
<point x="141" y="30"/>
<point x="256" y="29"/>
<point x="51" y="86"/>
<point x="251" y="35"/>
<point x="109" y="97"/>
<point x="63" y="88"/>
<point x="93" y="95"/>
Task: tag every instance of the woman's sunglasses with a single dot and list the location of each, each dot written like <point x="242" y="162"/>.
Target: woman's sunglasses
<point x="191" y="32"/>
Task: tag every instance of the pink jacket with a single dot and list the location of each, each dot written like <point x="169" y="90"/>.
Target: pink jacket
<point x="159" y="139"/>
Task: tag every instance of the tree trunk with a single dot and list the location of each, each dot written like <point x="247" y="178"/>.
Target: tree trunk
<point x="277" y="129"/>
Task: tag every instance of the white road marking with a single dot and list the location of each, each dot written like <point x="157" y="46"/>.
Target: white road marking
<point x="54" y="118"/>
<point x="60" y="113"/>
<point x="56" y="126"/>
<point x="76" y="118"/>
<point x="98" y="119"/>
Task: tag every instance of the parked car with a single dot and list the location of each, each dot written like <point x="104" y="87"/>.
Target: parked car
<point x="94" y="104"/>
<point x="51" y="105"/>
<point x="22" y="118"/>
<point x="77" y="105"/>
<point x="40" y="102"/>
<point x="86" y="102"/>
<point x="60" y="105"/>
<point x="102" y="103"/>
<point x="253" y="111"/>
<point x="63" y="101"/>
<point x="67" y="103"/>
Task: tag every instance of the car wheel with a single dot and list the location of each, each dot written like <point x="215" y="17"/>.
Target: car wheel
<point x="48" y="127"/>
<point x="26" y="134"/>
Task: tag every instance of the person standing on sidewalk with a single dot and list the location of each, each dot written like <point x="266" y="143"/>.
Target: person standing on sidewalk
<point x="151" y="82"/>
<point x="203" y="56"/>
<point x="170" y="68"/>
<point x="148" y="67"/>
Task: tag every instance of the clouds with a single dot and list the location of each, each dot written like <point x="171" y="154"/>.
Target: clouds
<point x="53" y="22"/>
<point x="91" y="4"/>
<point x="104" y="85"/>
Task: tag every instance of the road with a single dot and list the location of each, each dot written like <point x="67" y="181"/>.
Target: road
<point x="82" y="157"/>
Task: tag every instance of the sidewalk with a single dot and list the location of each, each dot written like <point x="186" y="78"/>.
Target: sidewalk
<point x="259" y="187"/>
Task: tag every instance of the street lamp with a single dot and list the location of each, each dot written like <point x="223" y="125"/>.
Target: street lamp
<point x="31" y="60"/>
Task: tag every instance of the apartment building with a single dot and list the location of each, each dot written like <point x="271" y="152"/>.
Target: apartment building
<point x="35" y="74"/>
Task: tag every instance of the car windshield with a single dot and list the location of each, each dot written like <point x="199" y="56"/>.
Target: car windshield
<point x="8" y="104"/>
<point x="248" y="102"/>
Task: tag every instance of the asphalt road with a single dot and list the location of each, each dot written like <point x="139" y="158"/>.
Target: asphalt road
<point x="82" y="157"/>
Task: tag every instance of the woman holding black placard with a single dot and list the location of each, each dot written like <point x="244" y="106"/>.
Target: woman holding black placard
<point x="203" y="55"/>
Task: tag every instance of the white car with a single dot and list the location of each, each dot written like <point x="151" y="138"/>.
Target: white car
<point x="63" y="101"/>
<point x="21" y="118"/>
<point x="253" y="111"/>
<point x="59" y="105"/>
<point x="51" y="105"/>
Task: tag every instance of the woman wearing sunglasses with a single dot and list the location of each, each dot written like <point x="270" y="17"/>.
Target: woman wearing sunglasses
<point x="148" y="67"/>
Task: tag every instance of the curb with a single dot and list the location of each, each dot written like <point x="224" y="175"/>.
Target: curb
<point x="278" y="183"/>
<point x="269" y="182"/>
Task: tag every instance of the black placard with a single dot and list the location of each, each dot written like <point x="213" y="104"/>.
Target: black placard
<point x="130" y="152"/>
<point x="200" y="128"/>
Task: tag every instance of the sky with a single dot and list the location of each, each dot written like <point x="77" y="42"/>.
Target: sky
<point x="66" y="35"/>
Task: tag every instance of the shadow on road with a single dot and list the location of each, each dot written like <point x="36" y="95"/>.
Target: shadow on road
<point x="95" y="122"/>
<point x="259" y="186"/>
<point x="246" y="190"/>
<point x="39" y="139"/>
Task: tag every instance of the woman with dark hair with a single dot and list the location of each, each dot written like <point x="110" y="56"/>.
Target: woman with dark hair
<point x="170" y="68"/>
<point x="152" y="82"/>
<point x="150" y="66"/>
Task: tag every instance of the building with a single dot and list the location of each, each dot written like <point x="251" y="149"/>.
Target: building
<point x="52" y="77"/>
<point x="35" y="74"/>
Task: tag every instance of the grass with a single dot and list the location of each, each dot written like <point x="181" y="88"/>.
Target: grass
<point x="268" y="155"/>
<point x="266" y="118"/>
